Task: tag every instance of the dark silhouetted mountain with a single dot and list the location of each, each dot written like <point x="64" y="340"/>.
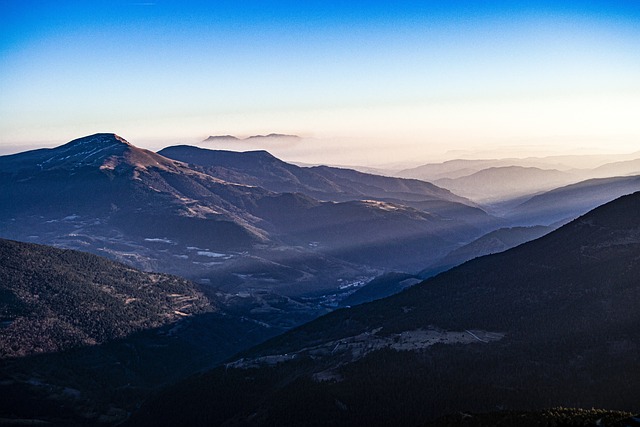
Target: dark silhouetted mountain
<point x="500" y="183"/>
<point x="491" y="243"/>
<point x="566" y="203"/>
<point x="553" y="322"/>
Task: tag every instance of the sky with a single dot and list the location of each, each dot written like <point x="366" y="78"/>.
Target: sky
<point x="365" y="82"/>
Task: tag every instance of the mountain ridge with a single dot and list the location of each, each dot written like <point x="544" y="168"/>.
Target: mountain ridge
<point x="567" y="202"/>
<point x="261" y="167"/>
<point x="499" y="183"/>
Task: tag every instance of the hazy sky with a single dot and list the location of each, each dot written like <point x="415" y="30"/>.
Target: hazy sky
<point x="367" y="80"/>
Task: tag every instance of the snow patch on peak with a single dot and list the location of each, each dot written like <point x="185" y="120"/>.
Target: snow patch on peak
<point x="121" y="139"/>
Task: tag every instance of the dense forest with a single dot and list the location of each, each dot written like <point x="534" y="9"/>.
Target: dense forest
<point x="52" y="299"/>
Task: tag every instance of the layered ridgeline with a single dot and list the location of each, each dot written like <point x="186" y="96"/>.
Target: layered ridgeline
<point x="553" y="322"/>
<point x="567" y="202"/>
<point x="84" y="340"/>
<point x="497" y="184"/>
<point x="515" y="189"/>
<point x="280" y="227"/>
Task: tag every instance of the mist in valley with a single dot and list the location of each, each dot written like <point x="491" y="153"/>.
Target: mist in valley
<point x="320" y="213"/>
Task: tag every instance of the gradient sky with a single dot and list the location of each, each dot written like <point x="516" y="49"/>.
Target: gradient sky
<point x="370" y="81"/>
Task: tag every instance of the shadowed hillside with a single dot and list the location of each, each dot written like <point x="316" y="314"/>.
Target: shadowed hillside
<point x="53" y="300"/>
<point x="491" y="243"/>
<point x="83" y="340"/>
<point x="550" y="323"/>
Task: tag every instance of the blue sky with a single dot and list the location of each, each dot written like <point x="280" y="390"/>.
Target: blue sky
<point x="437" y="76"/>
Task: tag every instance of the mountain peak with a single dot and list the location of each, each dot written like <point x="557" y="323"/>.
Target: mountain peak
<point x="88" y="150"/>
<point x="95" y="143"/>
<point x="102" y="150"/>
<point x="98" y="139"/>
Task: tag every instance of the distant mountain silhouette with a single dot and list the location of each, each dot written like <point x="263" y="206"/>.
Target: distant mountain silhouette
<point x="627" y="167"/>
<point x="499" y="183"/>
<point x="275" y="136"/>
<point x="451" y="169"/>
<point x="587" y="166"/>
<point x="227" y="138"/>
<point x="566" y="203"/>
<point x="552" y="322"/>
<point x="214" y="138"/>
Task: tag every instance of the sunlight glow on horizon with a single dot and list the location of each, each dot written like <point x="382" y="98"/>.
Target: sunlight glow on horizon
<point x="428" y="76"/>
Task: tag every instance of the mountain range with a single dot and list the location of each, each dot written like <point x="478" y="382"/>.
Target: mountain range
<point x="260" y="168"/>
<point x="500" y="185"/>
<point x="215" y="221"/>
<point x="270" y="246"/>
<point x="552" y="322"/>
<point x="586" y="166"/>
